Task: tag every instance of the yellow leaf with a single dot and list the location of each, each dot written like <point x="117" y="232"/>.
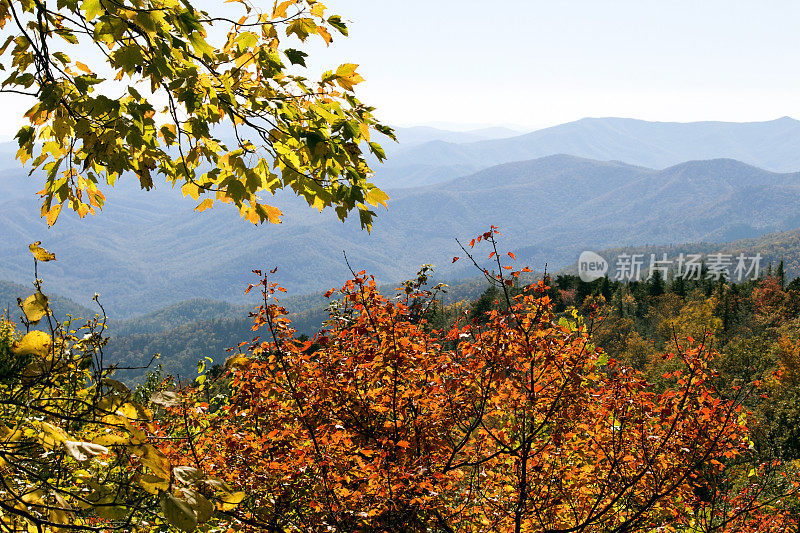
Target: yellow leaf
<point x="203" y="509"/>
<point x="83" y="67"/>
<point x="346" y="70"/>
<point x="205" y="204"/>
<point x="34" y="497"/>
<point x="238" y="361"/>
<point x="111" y="512"/>
<point x="272" y="214"/>
<point x="178" y="513"/>
<point x="364" y="128"/>
<point x="376" y="196"/>
<point x="111" y="439"/>
<point x="52" y="214"/>
<point x="229" y="501"/>
<point x="23" y="154"/>
<point x="110" y="403"/>
<point x="251" y="215"/>
<point x="61" y="516"/>
<point x="34" y="343"/>
<point x="52" y="435"/>
<point x="190" y="189"/>
<point x="135" y="411"/>
<point x="35" y="307"/>
<point x="318" y="204"/>
<point x="153" y="459"/>
<point x="188" y="475"/>
<point x="39" y="253"/>
<point x="153" y="484"/>
<point x="324" y="34"/>
<point x="279" y="11"/>
<point x="318" y="10"/>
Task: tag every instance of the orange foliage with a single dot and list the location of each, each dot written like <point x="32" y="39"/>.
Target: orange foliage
<point x="517" y="424"/>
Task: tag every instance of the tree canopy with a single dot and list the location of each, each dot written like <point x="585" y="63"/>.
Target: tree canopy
<point x="216" y="104"/>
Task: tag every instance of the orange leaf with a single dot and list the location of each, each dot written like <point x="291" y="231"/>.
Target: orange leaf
<point x="52" y="214"/>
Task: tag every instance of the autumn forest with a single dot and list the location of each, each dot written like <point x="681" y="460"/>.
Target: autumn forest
<point x="494" y="393"/>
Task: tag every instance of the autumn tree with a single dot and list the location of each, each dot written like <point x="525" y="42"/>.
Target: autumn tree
<point x="513" y="423"/>
<point x="216" y="103"/>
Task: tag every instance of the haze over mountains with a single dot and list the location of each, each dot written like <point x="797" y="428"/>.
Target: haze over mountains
<point x="149" y="249"/>
<point x="771" y="145"/>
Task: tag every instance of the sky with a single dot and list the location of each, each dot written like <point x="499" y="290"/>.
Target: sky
<point x="535" y="63"/>
<point x="531" y="63"/>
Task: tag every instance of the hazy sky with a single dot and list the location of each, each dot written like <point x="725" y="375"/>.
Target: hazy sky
<point x="536" y="63"/>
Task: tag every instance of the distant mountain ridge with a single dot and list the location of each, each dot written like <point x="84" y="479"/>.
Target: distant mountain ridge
<point x="772" y="145"/>
<point x="147" y="250"/>
<point x="61" y="307"/>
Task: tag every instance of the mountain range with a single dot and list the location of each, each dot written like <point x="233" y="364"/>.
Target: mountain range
<point x="771" y="145"/>
<point x="150" y="249"/>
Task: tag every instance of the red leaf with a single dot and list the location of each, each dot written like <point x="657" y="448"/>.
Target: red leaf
<point x="512" y="256"/>
<point x="456" y="259"/>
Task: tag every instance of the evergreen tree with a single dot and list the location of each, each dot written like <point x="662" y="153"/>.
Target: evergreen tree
<point x="605" y="288"/>
<point x="582" y="290"/>
<point x="678" y="286"/>
<point x="781" y="274"/>
<point x="485" y="303"/>
<point x="656" y="285"/>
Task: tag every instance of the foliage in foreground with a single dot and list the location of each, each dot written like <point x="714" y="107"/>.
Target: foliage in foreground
<point x="512" y="423"/>
<point x="214" y="102"/>
<point x="76" y="447"/>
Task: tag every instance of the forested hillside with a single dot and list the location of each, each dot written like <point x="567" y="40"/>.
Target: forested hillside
<point x="753" y="326"/>
<point x="170" y="253"/>
<point x="773" y="248"/>
<point x="60" y="306"/>
<point x="191" y="330"/>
